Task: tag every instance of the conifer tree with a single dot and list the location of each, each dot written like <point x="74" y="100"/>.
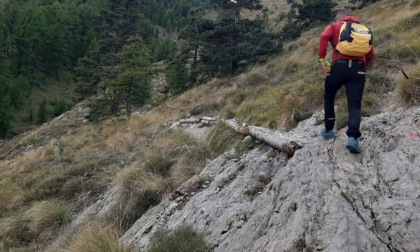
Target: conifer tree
<point x="231" y="46"/>
<point x="193" y="34"/>
<point x="237" y="5"/>
<point x="315" y="12"/>
<point x="177" y="77"/>
<point x="42" y="115"/>
<point x="132" y="85"/>
<point x="11" y="89"/>
<point x="306" y="15"/>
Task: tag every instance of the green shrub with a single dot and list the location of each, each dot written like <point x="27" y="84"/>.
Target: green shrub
<point x="43" y="114"/>
<point x="100" y="109"/>
<point x="47" y="187"/>
<point x="177" y="77"/>
<point x="415" y="3"/>
<point x="281" y="16"/>
<point x="59" y="107"/>
<point x="183" y="239"/>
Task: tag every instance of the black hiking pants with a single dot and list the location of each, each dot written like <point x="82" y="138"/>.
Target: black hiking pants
<point x="351" y="74"/>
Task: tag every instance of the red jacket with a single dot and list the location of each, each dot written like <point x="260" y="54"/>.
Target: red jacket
<point x="331" y="33"/>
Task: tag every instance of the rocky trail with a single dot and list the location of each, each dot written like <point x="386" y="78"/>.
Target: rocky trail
<point x="321" y="198"/>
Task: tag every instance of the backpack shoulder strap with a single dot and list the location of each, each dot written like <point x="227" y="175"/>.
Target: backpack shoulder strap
<point x="342" y="23"/>
<point x="345" y="34"/>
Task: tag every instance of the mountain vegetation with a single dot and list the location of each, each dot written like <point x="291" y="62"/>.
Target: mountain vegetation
<point x="105" y="54"/>
<point x="82" y="48"/>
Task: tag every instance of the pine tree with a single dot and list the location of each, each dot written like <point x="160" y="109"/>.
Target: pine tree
<point x="306" y="15"/>
<point x="315" y="11"/>
<point x="42" y="115"/>
<point x="120" y="20"/>
<point x="193" y="34"/>
<point x="177" y="77"/>
<point x="237" y="5"/>
<point x="11" y="89"/>
<point x="132" y="85"/>
<point x="231" y="46"/>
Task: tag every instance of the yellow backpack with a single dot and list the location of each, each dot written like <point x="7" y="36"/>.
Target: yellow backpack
<point x="354" y="39"/>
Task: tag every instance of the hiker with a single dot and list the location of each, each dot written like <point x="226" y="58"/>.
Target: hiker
<point x="348" y="68"/>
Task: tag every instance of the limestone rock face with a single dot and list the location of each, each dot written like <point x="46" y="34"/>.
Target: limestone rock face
<point x="323" y="198"/>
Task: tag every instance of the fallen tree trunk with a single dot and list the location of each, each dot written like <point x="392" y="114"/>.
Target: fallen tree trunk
<point x="277" y="139"/>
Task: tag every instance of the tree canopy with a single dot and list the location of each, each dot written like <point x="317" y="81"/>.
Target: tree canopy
<point x="309" y="13"/>
<point x="108" y="48"/>
<point x="237" y="5"/>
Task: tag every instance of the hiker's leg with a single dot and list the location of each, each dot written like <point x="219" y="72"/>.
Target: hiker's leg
<point x="354" y="91"/>
<point x="333" y="83"/>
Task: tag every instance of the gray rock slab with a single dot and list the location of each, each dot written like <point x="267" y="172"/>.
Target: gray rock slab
<point x="321" y="199"/>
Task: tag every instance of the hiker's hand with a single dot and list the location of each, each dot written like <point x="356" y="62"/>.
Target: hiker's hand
<point x="326" y="70"/>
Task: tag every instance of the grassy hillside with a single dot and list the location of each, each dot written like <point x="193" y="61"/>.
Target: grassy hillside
<point x="50" y="174"/>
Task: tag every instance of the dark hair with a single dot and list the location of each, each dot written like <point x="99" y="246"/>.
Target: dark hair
<point x="344" y="12"/>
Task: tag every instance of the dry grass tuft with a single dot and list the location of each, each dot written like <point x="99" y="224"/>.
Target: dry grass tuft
<point x="409" y="89"/>
<point x="95" y="237"/>
<point x="10" y="197"/>
<point x="222" y="138"/>
<point x="138" y="191"/>
<point x="190" y="153"/>
<point x="410" y="22"/>
<point x="282" y="106"/>
<point x="15" y="232"/>
<point x="135" y="178"/>
<point x="128" y="212"/>
<point x="47" y="218"/>
<point x="158" y="164"/>
<point x="28" y="161"/>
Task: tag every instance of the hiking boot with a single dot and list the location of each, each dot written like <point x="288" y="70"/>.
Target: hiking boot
<point x="327" y="134"/>
<point x="353" y="146"/>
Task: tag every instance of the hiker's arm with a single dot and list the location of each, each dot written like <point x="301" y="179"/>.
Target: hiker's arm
<point x="326" y="36"/>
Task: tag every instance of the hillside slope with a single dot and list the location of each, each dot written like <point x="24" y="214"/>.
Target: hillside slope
<point x="127" y="178"/>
